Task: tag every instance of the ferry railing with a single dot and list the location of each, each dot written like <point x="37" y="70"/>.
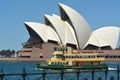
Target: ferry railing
<point x="78" y="74"/>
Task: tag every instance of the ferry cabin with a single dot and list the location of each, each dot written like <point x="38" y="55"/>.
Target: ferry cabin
<point x="68" y="57"/>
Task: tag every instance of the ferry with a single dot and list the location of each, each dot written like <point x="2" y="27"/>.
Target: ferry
<point x="68" y="58"/>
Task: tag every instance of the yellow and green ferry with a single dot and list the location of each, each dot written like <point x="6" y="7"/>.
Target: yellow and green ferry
<point x="67" y="58"/>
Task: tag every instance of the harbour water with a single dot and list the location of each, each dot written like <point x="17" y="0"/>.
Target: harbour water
<point x="30" y="67"/>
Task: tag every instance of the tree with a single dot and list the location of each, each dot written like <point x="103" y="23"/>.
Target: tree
<point x="7" y="53"/>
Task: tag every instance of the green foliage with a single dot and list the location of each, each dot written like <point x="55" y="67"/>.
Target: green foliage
<point x="7" y="53"/>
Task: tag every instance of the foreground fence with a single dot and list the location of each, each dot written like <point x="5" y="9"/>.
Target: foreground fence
<point x="76" y="74"/>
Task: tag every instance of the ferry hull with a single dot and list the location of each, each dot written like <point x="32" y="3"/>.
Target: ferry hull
<point x="56" y="67"/>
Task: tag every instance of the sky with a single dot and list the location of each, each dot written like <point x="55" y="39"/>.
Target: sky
<point x="13" y="14"/>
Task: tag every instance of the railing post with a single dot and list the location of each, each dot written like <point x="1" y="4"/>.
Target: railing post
<point x="24" y="73"/>
<point x="93" y="74"/>
<point x="78" y="74"/>
<point x="62" y="74"/>
<point x="118" y="72"/>
<point x="106" y="72"/>
<point x="43" y="74"/>
<point x="1" y="74"/>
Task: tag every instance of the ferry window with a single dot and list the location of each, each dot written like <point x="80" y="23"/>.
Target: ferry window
<point x="92" y="56"/>
<point x="80" y="56"/>
<point x="70" y="56"/>
<point x="52" y="63"/>
<point x="74" y="56"/>
<point x="97" y="56"/>
<point x="85" y="56"/>
<point x="66" y="56"/>
<point x="77" y="56"/>
<point x="66" y="63"/>
<point x="88" y="56"/>
<point x="60" y="56"/>
<point x="66" y="49"/>
<point x="58" y="63"/>
<point x="61" y="49"/>
<point x="74" y="63"/>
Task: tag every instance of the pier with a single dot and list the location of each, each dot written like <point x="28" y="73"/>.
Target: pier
<point x="76" y="74"/>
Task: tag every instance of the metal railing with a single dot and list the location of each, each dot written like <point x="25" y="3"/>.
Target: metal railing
<point x="75" y="74"/>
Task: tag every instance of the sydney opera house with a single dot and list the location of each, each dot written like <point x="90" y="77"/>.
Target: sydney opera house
<point x="69" y="29"/>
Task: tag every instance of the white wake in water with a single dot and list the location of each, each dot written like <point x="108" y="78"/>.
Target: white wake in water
<point x="109" y="68"/>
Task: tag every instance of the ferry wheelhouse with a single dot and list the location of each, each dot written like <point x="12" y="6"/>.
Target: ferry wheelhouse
<point x="67" y="58"/>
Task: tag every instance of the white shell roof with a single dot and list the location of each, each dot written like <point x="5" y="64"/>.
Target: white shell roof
<point x="72" y="28"/>
<point x="62" y="29"/>
<point x="105" y="36"/>
<point x="57" y="25"/>
<point x="70" y="34"/>
<point x="45" y="32"/>
<point x="81" y="27"/>
<point x="96" y="41"/>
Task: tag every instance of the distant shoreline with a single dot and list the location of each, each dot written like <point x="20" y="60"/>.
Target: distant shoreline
<point x="43" y="60"/>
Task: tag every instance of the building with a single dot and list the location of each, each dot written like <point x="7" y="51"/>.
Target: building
<point x="68" y="29"/>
